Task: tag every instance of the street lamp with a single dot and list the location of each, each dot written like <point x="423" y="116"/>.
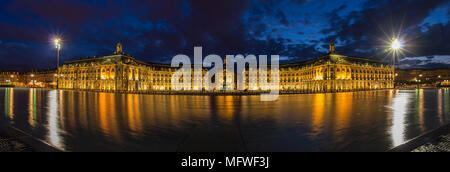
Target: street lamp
<point x="58" y="48"/>
<point x="396" y="44"/>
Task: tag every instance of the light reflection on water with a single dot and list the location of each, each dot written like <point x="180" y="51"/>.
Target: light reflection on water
<point x="9" y="103"/>
<point x="399" y="109"/>
<point x="356" y="121"/>
<point x="53" y="120"/>
<point x="32" y="111"/>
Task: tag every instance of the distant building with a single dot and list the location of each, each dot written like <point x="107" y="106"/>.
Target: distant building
<point x="436" y="77"/>
<point x="40" y="78"/>
<point x="330" y="73"/>
<point x="9" y="78"/>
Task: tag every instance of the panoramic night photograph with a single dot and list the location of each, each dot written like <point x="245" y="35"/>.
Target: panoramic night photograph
<point x="225" y="76"/>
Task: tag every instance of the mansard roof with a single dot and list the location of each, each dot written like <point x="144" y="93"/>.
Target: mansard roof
<point x="113" y="59"/>
<point x="335" y="58"/>
<point x="330" y="58"/>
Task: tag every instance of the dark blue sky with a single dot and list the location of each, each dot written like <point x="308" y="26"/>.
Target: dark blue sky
<point x="156" y="30"/>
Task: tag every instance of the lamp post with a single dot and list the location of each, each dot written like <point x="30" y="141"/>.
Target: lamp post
<point x="396" y="45"/>
<point x="58" y="48"/>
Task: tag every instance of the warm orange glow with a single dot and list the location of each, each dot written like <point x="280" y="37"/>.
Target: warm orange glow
<point x="420" y="109"/>
<point x="226" y="103"/>
<point x="107" y="114"/>
<point x="311" y="78"/>
<point x="319" y="77"/>
<point x="32" y="107"/>
<point x="134" y="114"/>
<point x="318" y="113"/>
<point x="9" y="102"/>
<point x="343" y="110"/>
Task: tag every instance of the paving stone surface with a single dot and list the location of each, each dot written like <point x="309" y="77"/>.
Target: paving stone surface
<point x="440" y="145"/>
<point x="8" y="144"/>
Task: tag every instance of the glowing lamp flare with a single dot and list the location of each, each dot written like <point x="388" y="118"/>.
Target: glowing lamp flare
<point x="396" y="44"/>
<point x="57" y="43"/>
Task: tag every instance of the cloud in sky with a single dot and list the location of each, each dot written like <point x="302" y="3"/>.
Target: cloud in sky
<point x="157" y="30"/>
<point x="425" y="62"/>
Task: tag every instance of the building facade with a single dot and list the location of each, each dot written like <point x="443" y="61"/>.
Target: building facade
<point x="41" y="78"/>
<point x="427" y="77"/>
<point x="9" y="78"/>
<point x="334" y="72"/>
<point x="118" y="72"/>
<point x="123" y="73"/>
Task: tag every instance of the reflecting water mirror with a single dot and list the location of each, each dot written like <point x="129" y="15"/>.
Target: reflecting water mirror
<point x="354" y="121"/>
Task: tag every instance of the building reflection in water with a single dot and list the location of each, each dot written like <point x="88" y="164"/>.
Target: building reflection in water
<point x="53" y="120"/>
<point x="134" y="114"/>
<point x="318" y="110"/>
<point x="61" y="109"/>
<point x="439" y="106"/>
<point x="80" y="121"/>
<point x="447" y="104"/>
<point x="399" y="108"/>
<point x="9" y="103"/>
<point x="108" y="115"/>
<point x="344" y="103"/>
<point x="226" y="107"/>
<point x="419" y="108"/>
<point x="32" y="107"/>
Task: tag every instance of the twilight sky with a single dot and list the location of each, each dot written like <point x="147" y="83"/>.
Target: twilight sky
<point x="156" y="30"/>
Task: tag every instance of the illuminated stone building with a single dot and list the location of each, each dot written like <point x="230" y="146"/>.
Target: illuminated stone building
<point x="9" y="78"/>
<point x="40" y="78"/>
<point x="117" y="72"/>
<point x="122" y="73"/>
<point x="334" y="72"/>
<point x="423" y="76"/>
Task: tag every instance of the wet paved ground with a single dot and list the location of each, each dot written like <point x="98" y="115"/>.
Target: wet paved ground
<point x="437" y="140"/>
<point x="11" y="144"/>
<point x="440" y="145"/>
